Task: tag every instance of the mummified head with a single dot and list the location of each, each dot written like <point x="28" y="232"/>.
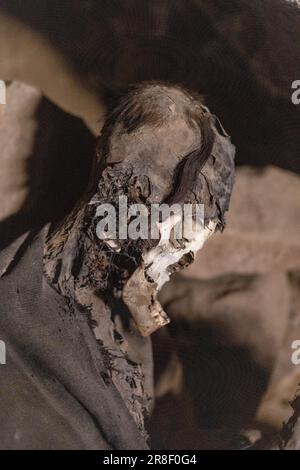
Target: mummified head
<point x="159" y="144"/>
<point x="166" y="136"/>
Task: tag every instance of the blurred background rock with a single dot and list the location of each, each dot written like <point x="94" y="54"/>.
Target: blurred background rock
<point x="224" y="364"/>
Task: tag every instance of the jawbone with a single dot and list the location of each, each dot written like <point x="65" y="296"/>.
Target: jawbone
<point x="140" y="291"/>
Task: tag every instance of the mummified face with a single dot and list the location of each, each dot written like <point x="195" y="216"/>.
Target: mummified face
<point x="161" y="146"/>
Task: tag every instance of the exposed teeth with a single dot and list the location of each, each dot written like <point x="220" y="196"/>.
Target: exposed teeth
<point x="165" y="254"/>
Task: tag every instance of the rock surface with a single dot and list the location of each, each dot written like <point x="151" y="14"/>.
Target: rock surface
<point x="235" y="313"/>
<point x="263" y="227"/>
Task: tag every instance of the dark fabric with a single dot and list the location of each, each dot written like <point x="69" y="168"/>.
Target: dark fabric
<point x="54" y="389"/>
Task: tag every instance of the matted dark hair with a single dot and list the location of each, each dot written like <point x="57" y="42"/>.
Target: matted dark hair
<point x="138" y="106"/>
<point x="188" y="169"/>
